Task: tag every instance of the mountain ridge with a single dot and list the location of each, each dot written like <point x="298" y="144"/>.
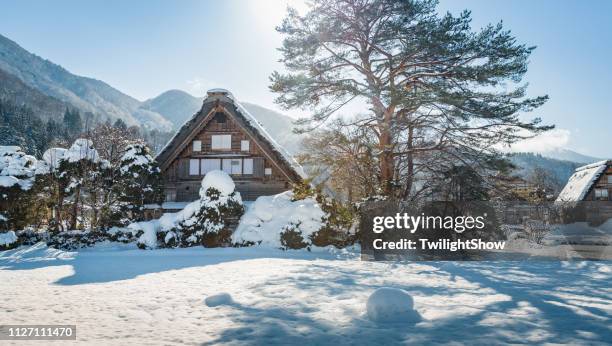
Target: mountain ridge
<point x="87" y="94"/>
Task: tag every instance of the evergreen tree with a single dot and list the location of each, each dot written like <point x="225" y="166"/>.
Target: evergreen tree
<point x="431" y="83"/>
<point x="73" y="122"/>
<point x="139" y="181"/>
<point x="207" y="221"/>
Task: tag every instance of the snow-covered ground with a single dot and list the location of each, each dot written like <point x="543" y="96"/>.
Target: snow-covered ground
<point x="121" y="295"/>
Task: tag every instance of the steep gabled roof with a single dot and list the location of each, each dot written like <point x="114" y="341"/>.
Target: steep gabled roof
<point x="221" y="98"/>
<point x="580" y="183"/>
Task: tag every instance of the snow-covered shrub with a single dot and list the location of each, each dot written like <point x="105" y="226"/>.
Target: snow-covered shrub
<point x="280" y="221"/>
<point x="8" y="240"/>
<point x="18" y="205"/>
<point x="292" y="238"/>
<point x="31" y="236"/>
<point x="77" y="184"/>
<point x="75" y="239"/>
<point x="339" y="218"/>
<point x="123" y="235"/>
<point x="138" y="183"/>
<point x="207" y="221"/>
<point x="297" y="219"/>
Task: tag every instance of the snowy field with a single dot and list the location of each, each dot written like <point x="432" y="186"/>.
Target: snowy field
<point x="120" y="295"/>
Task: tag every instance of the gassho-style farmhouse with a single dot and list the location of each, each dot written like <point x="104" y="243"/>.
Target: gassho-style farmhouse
<point x="223" y="135"/>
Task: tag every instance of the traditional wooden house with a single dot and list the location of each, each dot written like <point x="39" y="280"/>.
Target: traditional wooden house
<point x="223" y="135"/>
<point x="589" y="183"/>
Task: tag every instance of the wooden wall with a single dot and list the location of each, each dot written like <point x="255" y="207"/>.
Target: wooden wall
<point x="186" y="186"/>
<point x="601" y="183"/>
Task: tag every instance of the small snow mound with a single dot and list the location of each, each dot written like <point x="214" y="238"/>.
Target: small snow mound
<point x="219" y="180"/>
<point x="218" y="299"/>
<point x="388" y="304"/>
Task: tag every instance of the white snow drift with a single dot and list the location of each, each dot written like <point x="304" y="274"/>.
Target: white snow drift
<point x="270" y="216"/>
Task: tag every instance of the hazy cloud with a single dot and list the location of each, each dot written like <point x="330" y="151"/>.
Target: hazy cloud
<point x="547" y="141"/>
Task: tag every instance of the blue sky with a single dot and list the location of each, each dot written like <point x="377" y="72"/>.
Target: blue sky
<point x="146" y="47"/>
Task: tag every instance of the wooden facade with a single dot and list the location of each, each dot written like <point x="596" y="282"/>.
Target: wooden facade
<point x="222" y="135"/>
<point x="592" y="182"/>
<point x="601" y="190"/>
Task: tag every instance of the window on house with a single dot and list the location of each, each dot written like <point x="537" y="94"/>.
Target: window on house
<point x="601" y="194"/>
<point x="268" y="171"/>
<point x="610" y="180"/>
<point x="227" y="166"/>
<point x="210" y="165"/>
<point x="170" y="195"/>
<point x="236" y="166"/>
<point x="197" y="145"/>
<point x="194" y="167"/>
<point x="244" y="145"/>
<point x="222" y="142"/>
<point x="247" y="166"/>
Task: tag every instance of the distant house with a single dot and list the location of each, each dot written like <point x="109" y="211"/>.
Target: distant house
<point x="589" y="183"/>
<point x="224" y="135"/>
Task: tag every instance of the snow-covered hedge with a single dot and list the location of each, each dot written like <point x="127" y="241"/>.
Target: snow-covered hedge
<point x="17" y="175"/>
<point x="207" y="221"/>
<point x="296" y="219"/>
<point x="8" y="240"/>
<point x="279" y="221"/>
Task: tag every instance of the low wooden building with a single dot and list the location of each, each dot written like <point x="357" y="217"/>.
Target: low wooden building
<point x="223" y="135"/>
<point x="589" y="183"/>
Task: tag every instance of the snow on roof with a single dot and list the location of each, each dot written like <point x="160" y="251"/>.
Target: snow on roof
<point x="581" y="181"/>
<point x="277" y="147"/>
<point x="257" y="126"/>
<point x="218" y="91"/>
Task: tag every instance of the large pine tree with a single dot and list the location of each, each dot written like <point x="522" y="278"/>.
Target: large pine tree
<point x="436" y="90"/>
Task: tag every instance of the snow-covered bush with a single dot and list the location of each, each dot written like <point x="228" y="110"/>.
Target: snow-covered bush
<point x="18" y="205"/>
<point x="207" y="221"/>
<point x="123" y="234"/>
<point x="279" y="221"/>
<point x="296" y="219"/>
<point x="75" y="239"/>
<point x="8" y="240"/>
<point x="138" y="182"/>
<point x="77" y="182"/>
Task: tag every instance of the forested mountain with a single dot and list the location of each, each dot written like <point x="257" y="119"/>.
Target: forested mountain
<point x="13" y="90"/>
<point x="569" y="155"/>
<point x="528" y="162"/>
<point x="21" y="126"/>
<point x="88" y="95"/>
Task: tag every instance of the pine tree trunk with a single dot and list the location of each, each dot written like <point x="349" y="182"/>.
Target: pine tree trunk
<point x="386" y="159"/>
<point x="75" y="208"/>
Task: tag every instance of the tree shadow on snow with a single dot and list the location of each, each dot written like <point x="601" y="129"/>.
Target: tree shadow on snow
<point x="548" y="319"/>
<point x="95" y="266"/>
